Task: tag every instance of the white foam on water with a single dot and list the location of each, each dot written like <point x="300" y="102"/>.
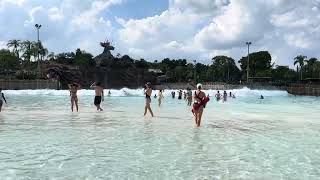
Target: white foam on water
<point x="244" y="92"/>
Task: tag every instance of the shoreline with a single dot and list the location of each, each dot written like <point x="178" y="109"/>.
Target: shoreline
<point x="294" y="89"/>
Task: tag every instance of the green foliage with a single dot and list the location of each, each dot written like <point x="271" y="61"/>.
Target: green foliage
<point x="8" y="61"/>
<point x="84" y="60"/>
<point x="259" y="64"/>
<point x="283" y="73"/>
<point x="23" y="54"/>
<point x="224" y="69"/>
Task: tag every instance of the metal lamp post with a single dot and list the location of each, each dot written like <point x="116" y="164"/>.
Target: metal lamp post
<point x="248" y="61"/>
<point x="195" y="71"/>
<point x="38" y="26"/>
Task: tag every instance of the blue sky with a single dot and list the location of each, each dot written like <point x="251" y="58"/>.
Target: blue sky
<point x="156" y="29"/>
<point x="137" y="9"/>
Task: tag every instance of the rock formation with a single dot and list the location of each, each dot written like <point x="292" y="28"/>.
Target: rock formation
<point x="106" y="54"/>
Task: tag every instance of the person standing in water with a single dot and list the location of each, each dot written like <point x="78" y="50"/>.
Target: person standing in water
<point x="180" y="94"/>
<point x="148" y="93"/>
<point x="189" y="96"/>
<point x="261" y="97"/>
<point x="2" y="98"/>
<point x="173" y="94"/>
<point x="99" y="96"/>
<point x="198" y="98"/>
<point x="218" y="96"/>
<point x="160" y="97"/>
<point x="73" y="88"/>
<point x="225" y="96"/>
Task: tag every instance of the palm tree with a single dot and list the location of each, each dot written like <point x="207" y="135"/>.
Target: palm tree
<point x="300" y="60"/>
<point x="15" y="45"/>
<point x="27" y="50"/>
<point x="43" y="53"/>
<point x="311" y="63"/>
<point x="51" y="56"/>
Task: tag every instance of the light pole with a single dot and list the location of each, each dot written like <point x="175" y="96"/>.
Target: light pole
<point x="248" y="61"/>
<point x="195" y="71"/>
<point x="38" y="26"/>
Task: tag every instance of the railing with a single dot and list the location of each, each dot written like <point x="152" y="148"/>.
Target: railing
<point x="29" y="84"/>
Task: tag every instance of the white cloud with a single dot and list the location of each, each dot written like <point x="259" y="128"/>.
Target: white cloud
<point x="191" y="29"/>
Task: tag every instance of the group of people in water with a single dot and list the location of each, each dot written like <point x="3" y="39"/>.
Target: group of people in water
<point x="199" y="98"/>
<point x="99" y="95"/>
<point x="199" y="103"/>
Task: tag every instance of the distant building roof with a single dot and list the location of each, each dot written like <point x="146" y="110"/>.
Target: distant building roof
<point x="155" y="70"/>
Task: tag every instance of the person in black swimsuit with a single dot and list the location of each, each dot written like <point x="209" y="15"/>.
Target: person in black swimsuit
<point x="148" y="93"/>
<point x="99" y="95"/>
<point x="2" y="98"/>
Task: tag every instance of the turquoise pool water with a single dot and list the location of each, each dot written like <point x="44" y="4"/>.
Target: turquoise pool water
<point x="243" y="138"/>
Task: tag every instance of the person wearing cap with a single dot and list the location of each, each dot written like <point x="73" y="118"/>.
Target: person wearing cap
<point x="148" y="93"/>
<point x="198" y="105"/>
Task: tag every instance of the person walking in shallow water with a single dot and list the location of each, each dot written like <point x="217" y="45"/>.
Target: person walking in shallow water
<point x="199" y="104"/>
<point x="2" y="98"/>
<point x="160" y="97"/>
<point x="189" y="96"/>
<point x="99" y="96"/>
<point x="73" y="88"/>
<point x="148" y="93"/>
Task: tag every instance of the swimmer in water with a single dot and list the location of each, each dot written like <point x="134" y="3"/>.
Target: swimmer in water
<point x="2" y="98"/>
<point x="99" y="96"/>
<point x="148" y="93"/>
<point x="225" y="96"/>
<point x="160" y="97"/>
<point x="218" y="96"/>
<point x="73" y="88"/>
<point x="189" y="96"/>
<point x="155" y="96"/>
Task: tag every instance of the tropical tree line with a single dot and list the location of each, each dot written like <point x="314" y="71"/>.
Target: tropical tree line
<point x="21" y="57"/>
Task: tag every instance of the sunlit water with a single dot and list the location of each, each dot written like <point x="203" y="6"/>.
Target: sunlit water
<point x="243" y="138"/>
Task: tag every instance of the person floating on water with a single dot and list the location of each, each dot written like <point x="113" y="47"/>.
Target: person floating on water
<point x="261" y="97"/>
<point x="73" y="88"/>
<point x="160" y="97"/>
<point x="180" y="94"/>
<point x="218" y="96"/>
<point x="2" y="98"/>
<point x="99" y="96"/>
<point x="225" y="96"/>
<point x="148" y="93"/>
<point x="173" y="94"/>
<point x="189" y="96"/>
<point x="200" y="101"/>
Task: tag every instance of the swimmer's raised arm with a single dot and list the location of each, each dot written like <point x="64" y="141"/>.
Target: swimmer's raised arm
<point x="93" y="85"/>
